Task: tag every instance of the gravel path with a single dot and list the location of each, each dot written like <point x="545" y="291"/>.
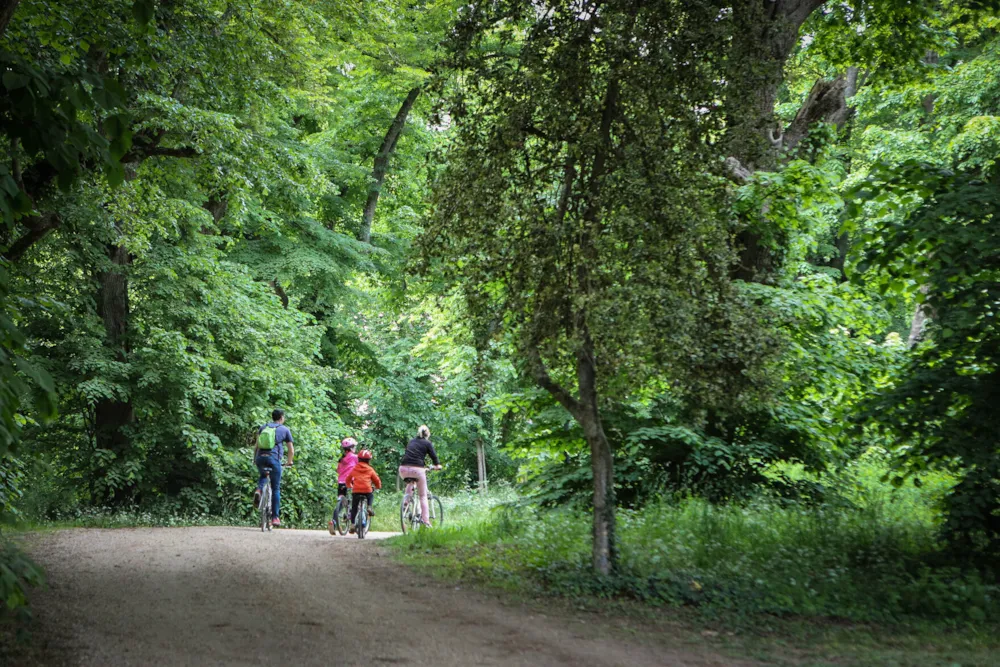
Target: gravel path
<point x="232" y="596"/>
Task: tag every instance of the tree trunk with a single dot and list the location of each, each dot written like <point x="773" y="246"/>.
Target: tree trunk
<point x="113" y="416"/>
<point x="604" y="553"/>
<point x="481" y="463"/>
<point x="919" y="320"/>
<point x="382" y="164"/>
<point x="479" y="373"/>
<point x="765" y="32"/>
<point x="585" y="411"/>
<point x="843" y="245"/>
<point x="7" y="9"/>
<point x="217" y="206"/>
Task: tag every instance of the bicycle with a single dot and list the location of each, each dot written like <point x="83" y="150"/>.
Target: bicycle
<point x="409" y="508"/>
<point x="342" y="513"/>
<point x="362" y="520"/>
<point x="265" y="501"/>
<point x="266" y="515"/>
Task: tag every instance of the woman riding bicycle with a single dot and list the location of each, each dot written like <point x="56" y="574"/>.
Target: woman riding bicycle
<point x="413" y="467"/>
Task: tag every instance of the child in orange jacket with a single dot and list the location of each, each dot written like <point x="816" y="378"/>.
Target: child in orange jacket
<point x="361" y="480"/>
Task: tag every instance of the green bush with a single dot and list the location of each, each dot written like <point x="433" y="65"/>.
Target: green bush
<point x="17" y="574"/>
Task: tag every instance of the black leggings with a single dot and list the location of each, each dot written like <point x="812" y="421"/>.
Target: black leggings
<point x="356" y="500"/>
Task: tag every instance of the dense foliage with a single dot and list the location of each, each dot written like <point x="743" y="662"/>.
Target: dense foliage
<point x="619" y="252"/>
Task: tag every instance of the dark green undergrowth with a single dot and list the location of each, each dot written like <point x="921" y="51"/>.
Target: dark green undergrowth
<point x="18" y="573"/>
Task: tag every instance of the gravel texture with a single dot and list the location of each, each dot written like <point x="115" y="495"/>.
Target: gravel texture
<point x="235" y="596"/>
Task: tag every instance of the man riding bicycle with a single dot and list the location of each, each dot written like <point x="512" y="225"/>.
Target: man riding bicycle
<point x="271" y="438"/>
<point x="412" y="467"/>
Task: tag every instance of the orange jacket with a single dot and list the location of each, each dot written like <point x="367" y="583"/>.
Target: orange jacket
<point x="362" y="478"/>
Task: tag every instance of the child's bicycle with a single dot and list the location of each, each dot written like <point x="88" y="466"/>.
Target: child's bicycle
<point x="362" y="520"/>
<point x="409" y="508"/>
<point x="342" y="513"/>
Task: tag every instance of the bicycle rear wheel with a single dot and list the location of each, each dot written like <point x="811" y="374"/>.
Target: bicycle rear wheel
<point x="342" y="515"/>
<point x="361" y="519"/>
<point x="265" y="508"/>
<point x="406" y="514"/>
<point x="437" y="511"/>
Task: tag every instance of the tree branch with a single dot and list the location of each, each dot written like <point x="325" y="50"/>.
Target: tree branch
<point x="7" y="9"/>
<point x="15" y="164"/>
<point x="541" y="376"/>
<point x="569" y="175"/>
<point x="381" y="165"/>
<point x="737" y="172"/>
<point x="826" y="103"/>
<point x="138" y="154"/>
<point x="38" y="228"/>
<point x="797" y="12"/>
<point x="280" y="291"/>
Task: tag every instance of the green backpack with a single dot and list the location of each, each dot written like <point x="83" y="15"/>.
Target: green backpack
<point x="265" y="441"/>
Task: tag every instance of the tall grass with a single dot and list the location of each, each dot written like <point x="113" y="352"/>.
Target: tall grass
<point x="869" y="554"/>
<point x="466" y="508"/>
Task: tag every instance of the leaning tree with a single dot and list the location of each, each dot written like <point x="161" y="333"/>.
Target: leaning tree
<point x="582" y="208"/>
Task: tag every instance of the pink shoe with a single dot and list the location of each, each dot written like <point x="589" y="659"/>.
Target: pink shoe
<point x="330" y="527"/>
<point x="276" y="523"/>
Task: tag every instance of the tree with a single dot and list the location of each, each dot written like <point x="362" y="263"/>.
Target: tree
<point x="851" y="36"/>
<point x="924" y="206"/>
<point x="579" y="208"/>
<point x="943" y="405"/>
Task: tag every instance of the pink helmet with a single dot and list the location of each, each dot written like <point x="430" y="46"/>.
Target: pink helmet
<point x="347" y="443"/>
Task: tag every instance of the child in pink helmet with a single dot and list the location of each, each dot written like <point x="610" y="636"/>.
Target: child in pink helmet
<point x="345" y="466"/>
<point x="348" y="459"/>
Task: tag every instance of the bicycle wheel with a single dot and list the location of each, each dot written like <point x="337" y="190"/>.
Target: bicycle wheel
<point x="342" y="515"/>
<point x="265" y="507"/>
<point x="436" y="510"/>
<point x="406" y="514"/>
<point x="361" y="519"/>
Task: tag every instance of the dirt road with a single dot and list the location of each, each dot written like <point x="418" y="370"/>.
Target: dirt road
<point x="233" y="596"/>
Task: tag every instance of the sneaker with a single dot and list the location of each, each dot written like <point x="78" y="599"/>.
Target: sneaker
<point x="276" y="523"/>
<point x="351" y="531"/>
<point x="256" y="499"/>
<point x="330" y="527"/>
<point x="371" y="512"/>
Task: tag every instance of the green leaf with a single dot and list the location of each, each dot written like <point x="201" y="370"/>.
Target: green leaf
<point x="14" y="80"/>
<point x="143" y="11"/>
<point x="115" y="174"/>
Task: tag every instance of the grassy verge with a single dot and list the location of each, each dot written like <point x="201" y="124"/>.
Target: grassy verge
<point x="847" y="583"/>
